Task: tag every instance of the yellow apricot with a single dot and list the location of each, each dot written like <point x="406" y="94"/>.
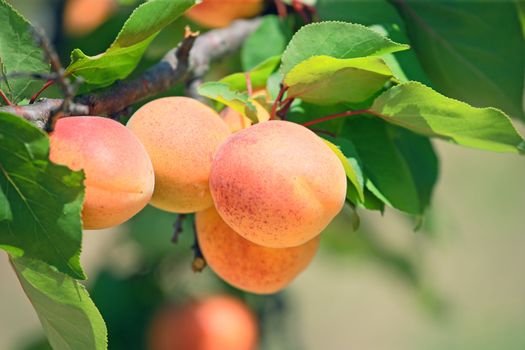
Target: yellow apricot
<point x="119" y="175"/>
<point x="236" y="121"/>
<point x="83" y="16"/>
<point x="220" y="13"/>
<point x="277" y="184"/>
<point x="181" y="136"/>
<point x="246" y="265"/>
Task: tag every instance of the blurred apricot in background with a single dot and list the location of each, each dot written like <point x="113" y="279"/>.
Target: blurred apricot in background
<point x="214" y="323"/>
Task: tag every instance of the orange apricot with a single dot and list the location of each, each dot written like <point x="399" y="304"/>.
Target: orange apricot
<point x="119" y="175"/>
<point x="277" y="184"/>
<point x="215" y="323"/>
<point x="181" y="136"/>
<point x="246" y="265"/>
<point x="83" y="16"/>
<point x="220" y="13"/>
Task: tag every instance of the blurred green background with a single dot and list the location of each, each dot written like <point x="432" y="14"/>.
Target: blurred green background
<point x="458" y="283"/>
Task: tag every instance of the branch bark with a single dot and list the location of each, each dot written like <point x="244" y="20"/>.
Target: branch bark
<point x="188" y="62"/>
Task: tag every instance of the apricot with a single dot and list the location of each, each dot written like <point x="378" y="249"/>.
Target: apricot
<point x="215" y="323"/>
<point x="246" y="265"/>
<point x="83" y="16"/>
<point x="236" y="121"/>
<point x="119" y="175"/>
<point x="181" y="136"/>
<point x="220" y="13"/>
<point x="277" y="184"/>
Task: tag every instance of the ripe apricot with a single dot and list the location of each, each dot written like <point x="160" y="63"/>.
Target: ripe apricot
<point x="215" y="323"/>
<point x="119" y="175"/>
<point x="246" y="265"/>
<point x="83" y="16"/>
<point x="277" y="184"/>
<point x="220" y="13"/>
<point x="181" y="136"/>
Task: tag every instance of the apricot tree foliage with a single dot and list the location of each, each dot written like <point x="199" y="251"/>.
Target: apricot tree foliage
<point x="345" y="81"/>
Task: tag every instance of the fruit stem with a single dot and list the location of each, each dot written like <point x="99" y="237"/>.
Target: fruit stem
<point x="177" y="227"/>
<point x="340" y="115"/>
<point x="199" y="263"/>
<point x="278" y="101"/>
<point x="35" y="96"/>
<point x="5" y="98"/>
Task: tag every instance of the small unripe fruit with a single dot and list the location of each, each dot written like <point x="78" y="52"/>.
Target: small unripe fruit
<point x="181" y="136"/>
<point x="216" y="323"/>
<point x="277" y="184"/>
<point x="246" y="265"/>
<point x="119" y="175"/>
<point x="220" y="13"/>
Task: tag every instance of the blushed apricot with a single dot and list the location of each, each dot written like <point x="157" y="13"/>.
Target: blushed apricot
<point x="215" y="323"/>
<point x="246" y="265"/>
<point x="119" y="175"/>
<point x="277" y="184"/>
<point x="220" y="13"/>
<point x="181" y="136"/>
<point x="83" y="16"/>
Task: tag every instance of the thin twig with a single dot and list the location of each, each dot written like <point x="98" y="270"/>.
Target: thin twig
<point x="278" y="100"/>
<point x="5" y="98"/>
<point x="281" y="113"/>
<point x="42" y="89"/>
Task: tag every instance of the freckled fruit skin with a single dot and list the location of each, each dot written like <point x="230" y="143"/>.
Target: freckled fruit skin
<point x="216" y="323"/>
<point x="119" y="175"/>
<point x="220" y="13"/>
<point x="83" y="16"/>
<point x="181" y="136"/>
<point x="246" y="265"/>
<point x="277" y="184"/>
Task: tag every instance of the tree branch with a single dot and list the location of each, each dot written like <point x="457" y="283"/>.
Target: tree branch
<point x="189" y="61"/>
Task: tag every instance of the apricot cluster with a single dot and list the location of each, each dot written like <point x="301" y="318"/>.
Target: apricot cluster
<point x="262" y="194"/>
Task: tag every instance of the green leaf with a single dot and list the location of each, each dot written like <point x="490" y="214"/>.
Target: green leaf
<point x="326" y="80"/>
<point x="126" y="51"/>
<point x="18" y="53"/>
<point x="258" y="75"/>
<point x="236" y="100"/>
<point x="5" y="208"/>
<point x="521" y="12"/>
<point x="45" y="200"/>
<point x="256" y="49"/>
<point x="349" y="161"/>
<point x="400" y="167"/>
<point x="419" y="108"/>
<point x="381" y="16"/>
<point x="336" y="39"/>
<point x="472" y="51"/>
<point x="69" y="317"/>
